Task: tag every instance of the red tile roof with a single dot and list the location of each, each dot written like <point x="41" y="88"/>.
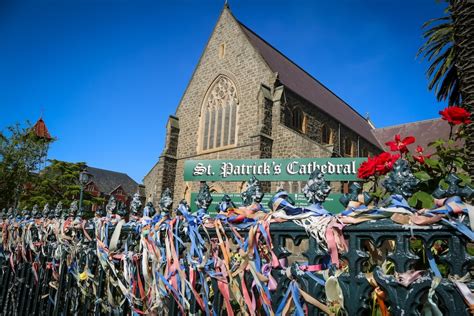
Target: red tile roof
<point x="41" y="130"/>
<point x="424" y="131"/>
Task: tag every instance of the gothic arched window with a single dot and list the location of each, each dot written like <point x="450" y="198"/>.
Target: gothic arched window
<point x="219" y="115"/>
<point x="365" y="152"/>
<point x="297" y="119"/>
<point x="326" y="134"/>
<point x="348" y="149"/>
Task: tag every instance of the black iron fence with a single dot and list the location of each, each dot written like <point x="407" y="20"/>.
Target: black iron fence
<point x="59" y="273"/>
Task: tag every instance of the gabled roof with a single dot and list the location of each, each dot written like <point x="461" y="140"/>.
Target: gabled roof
<point x="41" y="130"/>
<point x="299" y="81"/>
<point x="107" y="181"/>
<point x="424" y="132"/>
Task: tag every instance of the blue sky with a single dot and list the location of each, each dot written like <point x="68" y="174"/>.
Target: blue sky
<point x="106" y="74"/>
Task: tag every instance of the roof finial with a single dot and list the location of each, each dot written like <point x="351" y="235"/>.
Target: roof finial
<point x="226" y="4"/>
<point x="41" y="130"/>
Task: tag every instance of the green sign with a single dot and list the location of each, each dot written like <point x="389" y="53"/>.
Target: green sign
<point x="334" y="169"/>
<point x="332" y="203"/>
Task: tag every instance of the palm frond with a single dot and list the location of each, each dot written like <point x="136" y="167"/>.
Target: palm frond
<point x="439" y="50"/>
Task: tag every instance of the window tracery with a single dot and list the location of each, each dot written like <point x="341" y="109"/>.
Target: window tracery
<point x="220" y="115"/>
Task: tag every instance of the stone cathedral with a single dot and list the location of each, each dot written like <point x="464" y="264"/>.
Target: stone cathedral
<point x="247" y="100"/>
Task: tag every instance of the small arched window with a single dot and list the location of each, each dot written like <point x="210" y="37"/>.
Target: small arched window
<point x="297" y="119"/>
<point x="348" y="149"/>
<point x="364" y="153"/>
<point x="219" y="115"/>
<point x="326" y="134"/>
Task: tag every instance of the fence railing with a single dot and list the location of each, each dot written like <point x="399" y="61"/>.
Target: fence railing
<point x="388" y="259"/>
<point x="44" y="275"/>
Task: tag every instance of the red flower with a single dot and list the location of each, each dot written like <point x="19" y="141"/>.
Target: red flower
<point x="377" y="165"/>
<point x="385" y="162"/>
<point x="367" y="168"/>
<point x="455" y="115"/>
<point x="401" y="145"/>
<point x="421" y="158"/>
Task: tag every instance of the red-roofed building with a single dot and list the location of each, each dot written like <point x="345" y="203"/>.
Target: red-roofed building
<point x="425" y="132"/>
<point x="106" y="183"/>
<point x="41" y="130"/>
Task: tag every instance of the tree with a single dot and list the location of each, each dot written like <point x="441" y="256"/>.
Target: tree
<point x="440" y="50"/>
<point x="22" y="152"/>
<point x="463" y="27"/>
<point x="449" y="47"/>
<point x="59" y="182"/>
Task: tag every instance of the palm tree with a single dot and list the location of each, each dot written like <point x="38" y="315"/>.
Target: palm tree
<point x="449" y="47"/>
<point x="463" y="28"/>
<point x="439" y="49"/>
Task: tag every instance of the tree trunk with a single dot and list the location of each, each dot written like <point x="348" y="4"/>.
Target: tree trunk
<point x="463" y="22"/>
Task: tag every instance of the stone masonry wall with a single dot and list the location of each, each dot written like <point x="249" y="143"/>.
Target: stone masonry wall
<point x="316" y="118"/>
<point x="261" y="130"/>
<point x="245" y="67"/>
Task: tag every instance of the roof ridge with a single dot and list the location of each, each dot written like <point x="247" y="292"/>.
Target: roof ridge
<point x="107" y="170"/>
<point x="115" y="172"/>
<point x="301" y="68"/>
<point x="225" y="8"/>
<point x="408" y="123"/>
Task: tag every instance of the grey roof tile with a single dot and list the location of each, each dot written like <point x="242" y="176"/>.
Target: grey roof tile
<point x="107" y="180"/>
<point x="309" y="88"/>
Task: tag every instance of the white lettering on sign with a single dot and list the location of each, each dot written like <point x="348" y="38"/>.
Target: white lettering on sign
<point x="276" y="168"/>
<point x="290" y="168"/>
<point x="229" y="169"/>
<point x="269" y="168"/>
<point x="199" y="170"/>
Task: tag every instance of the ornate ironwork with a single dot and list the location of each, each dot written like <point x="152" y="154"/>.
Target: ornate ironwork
<point x="111" y="206"/>
<point x="58" y="210"/>
<point x="253" y="193"/>
<point x="34" y="211"/>
<point x="355" y="190"/>
<point x="26" y="213"/>
<point x="73" y="209"/>
<point x="149" y="210"/>
<point x="225" y="204"/>
<point x="166" y="202"/>
<point x="46" y="211"/>
<point x="122" y="212"/>
<point x="454" y="189"/>
<point x="203" y="198"/>
<point x="135" y="205"/>
<point x="401" y="180"/>
<point x="316" y="189"/>
<point x="47" y="286"/>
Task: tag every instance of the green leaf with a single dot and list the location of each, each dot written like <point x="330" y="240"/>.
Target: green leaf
<point x="422" y="175"/>
<point x="443" y="184"/>
<point x="412" y="201"/>
<point x="466" y="179"/>
<point x="433" y="163"/>
<point x="437" y="143"/>
<point x="425" y="199"/>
